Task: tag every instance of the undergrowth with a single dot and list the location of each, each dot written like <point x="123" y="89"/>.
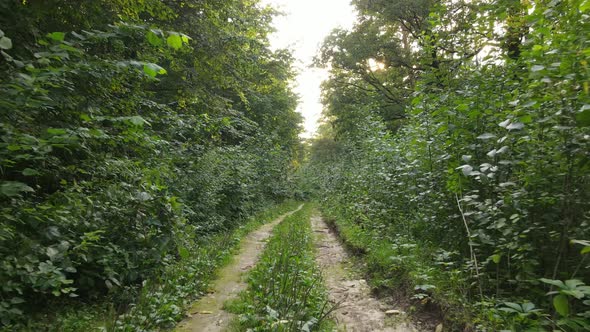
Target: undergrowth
<point x="285" y="289"/>
<point x="435" y="287"/>
<point x="162" y="301"/>
<point x="415" y="274"/>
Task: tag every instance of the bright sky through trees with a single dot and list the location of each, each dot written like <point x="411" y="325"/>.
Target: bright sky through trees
<point x="303" y="27"/>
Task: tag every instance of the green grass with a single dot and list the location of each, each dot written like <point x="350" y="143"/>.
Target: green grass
<point x="163" y="300"/>
<point x="285" y="289"/>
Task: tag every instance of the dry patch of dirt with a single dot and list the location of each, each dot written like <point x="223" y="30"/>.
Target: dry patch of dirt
<point x="359" y="310"/>
<point x="207" y="314"/>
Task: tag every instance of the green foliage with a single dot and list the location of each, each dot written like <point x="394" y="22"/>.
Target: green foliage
<point x="123" y="144"/>
<point x="162" y="300"/>
<point x="484" y="171"/>
<point x="5" y="42"/>
<point x="285" y="291"/>
<point x="561" y="305"/>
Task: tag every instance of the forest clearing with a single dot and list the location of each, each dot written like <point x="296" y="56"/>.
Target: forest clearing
<point x="162" y="169"/>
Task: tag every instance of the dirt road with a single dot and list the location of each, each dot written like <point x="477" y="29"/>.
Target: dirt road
<point x="359" y="310"/>
<point x="207" y="314"/>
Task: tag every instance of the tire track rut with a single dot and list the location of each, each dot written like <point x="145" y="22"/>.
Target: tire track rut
<point x="207" y="313"/>
<point x="359" y="310"/>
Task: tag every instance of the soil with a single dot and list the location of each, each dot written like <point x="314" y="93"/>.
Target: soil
<point x="358" y="309"/>
<point x="207" y="314"/>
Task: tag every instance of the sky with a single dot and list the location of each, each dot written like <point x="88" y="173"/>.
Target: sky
<point x="302" y="29"/>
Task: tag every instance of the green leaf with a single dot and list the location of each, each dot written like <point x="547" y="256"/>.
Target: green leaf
<point x="486" y="136"/>
<point x="52" y="253"/>
<point x="30" y="172"/>
<point x="57" y="36"/>
<point x="185" y="38"/>
<point x="424" y="287"/>
<point x="56" y="131"/>
<point x="582" y="242"/>
<point x="137" y="120"/>
<point x="14" y="188"/>
<point x="508" y="309"/>
<point x="514" y="306"/>
<point x="17" y="300"/>
<point x="77" y="35"/>
<point x="515" y="126"/>
<point x="561" y="305"/>
<point x="584" y="6"/>
<point x="557" y="283"/>
<point x="573" y="292"/>
<point x="183" y="252"/>
<point x="496" y="258"/>
<point x="583" y="118"/>
<point x="153" y="38"/>
<point x="144" y="196"/>
<point x="529" y="104"/>
<point x="174" y="41"/>
<point x="149" y="70"/>
<point x="152" y="69"/>
<point x="526" y="119"/>
<point x="69" y="48"/>
<point x="462" y="107"/>
<point x="527" y="307"/>
<point x="584" y="289"/>
<point x="466" y="169"/>
<point x="115" y="281"/>
<point x="5" y="43"/>
<point x="573" y="283"/>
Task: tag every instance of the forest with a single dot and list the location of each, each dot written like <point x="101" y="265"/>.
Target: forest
<point x="149" y="145"/>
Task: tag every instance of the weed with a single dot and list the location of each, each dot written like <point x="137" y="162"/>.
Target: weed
<point x="285" y="289"/>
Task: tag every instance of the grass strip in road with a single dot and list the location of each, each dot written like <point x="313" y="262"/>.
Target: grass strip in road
<point x="285" y="289"/>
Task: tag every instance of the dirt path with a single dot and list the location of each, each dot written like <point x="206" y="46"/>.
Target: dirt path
<point x="359" y="311"/>
<point x="207" y="314"/>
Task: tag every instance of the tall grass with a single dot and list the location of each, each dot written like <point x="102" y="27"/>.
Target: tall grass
<point x="285" y="289"/>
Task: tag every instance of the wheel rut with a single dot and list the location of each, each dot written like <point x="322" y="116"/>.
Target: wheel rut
<point x="358" y="310"/>
<point x="207" y="313"/>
